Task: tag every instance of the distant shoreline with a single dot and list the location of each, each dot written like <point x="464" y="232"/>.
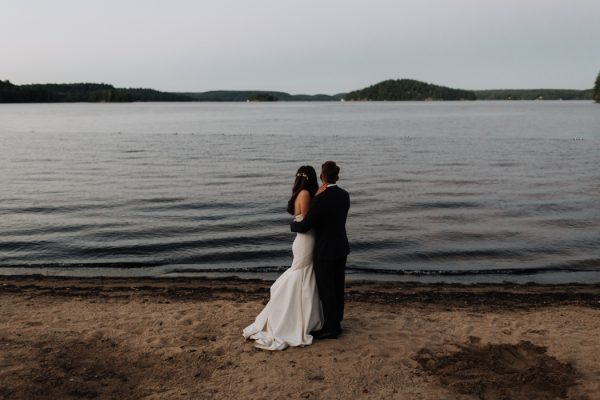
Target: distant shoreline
<point x="390" y="90"/>
<point x="298" y="101"/>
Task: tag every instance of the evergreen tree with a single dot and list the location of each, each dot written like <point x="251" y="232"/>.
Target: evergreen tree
<point x="597" y="89"/>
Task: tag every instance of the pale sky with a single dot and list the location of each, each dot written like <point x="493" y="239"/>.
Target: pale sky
<point x="308" y="46"/>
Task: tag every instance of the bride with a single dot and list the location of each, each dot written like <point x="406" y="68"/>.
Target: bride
<point x="293" y="310"/>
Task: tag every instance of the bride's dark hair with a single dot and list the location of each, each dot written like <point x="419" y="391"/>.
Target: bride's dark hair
<point x="306" y="179"/>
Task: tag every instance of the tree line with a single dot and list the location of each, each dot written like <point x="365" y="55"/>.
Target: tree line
<point x="597" y="89"/>
<point x="80" y="92"/>
<point x="389" y="90"/>
<point x="534" y="94"/>
<point x="259" y="95"/>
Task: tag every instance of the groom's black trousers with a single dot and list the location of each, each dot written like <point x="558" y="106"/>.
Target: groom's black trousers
<point x="330" y="276"/>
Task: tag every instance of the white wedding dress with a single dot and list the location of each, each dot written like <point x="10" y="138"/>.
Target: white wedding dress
<point x="294" y="309"/>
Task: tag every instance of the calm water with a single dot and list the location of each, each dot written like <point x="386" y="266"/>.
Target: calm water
<point x="465" y="191"/>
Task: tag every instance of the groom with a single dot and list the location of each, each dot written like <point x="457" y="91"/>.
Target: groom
<point x="327" y="215"/>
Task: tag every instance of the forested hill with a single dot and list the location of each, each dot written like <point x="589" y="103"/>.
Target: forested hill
<point x="80" y="92"/>
<point x="409" y="89"/>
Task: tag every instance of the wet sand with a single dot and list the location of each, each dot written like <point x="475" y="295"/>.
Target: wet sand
<point x="134" y="338"/>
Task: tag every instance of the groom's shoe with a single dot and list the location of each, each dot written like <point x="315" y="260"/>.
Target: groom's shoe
<point x="316" y="334"/>
<point x="329" y="334"/>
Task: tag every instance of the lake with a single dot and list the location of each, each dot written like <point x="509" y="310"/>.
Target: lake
<point x="440" y="191"/>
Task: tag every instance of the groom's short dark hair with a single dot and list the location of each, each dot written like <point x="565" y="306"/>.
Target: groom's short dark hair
<point x="330" y="171"/>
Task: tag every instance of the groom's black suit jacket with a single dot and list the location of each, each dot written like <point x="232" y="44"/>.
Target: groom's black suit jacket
<point x="327" y="214"/>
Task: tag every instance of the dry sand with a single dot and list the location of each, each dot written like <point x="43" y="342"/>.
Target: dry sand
<point x="181" y="338"/>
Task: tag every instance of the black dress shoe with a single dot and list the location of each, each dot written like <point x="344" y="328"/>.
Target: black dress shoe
<point x="329" y="335"/>
<point x="316" y="334"/>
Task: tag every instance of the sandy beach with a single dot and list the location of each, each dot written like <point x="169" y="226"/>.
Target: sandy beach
<point x="177" y="338"/>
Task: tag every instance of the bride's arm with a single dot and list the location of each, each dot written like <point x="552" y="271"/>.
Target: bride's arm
<point x="312" y="216"/>
<point x="302" y="203"/>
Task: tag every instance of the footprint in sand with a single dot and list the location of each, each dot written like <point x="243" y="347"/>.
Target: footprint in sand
<point x="435" y="338"/>
<point x="157" y="341"/>
<point x="179" y="315"/>
<point x="219" y="351"/>
<point x="308" y="395"/>
<point x="537" y="331"/>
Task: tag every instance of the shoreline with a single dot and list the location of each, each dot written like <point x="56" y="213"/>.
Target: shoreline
<point x="170" y="338"/>
<point x="497" y="295"/>
<point x="425" y="277"/>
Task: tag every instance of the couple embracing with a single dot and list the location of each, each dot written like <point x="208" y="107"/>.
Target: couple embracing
<point x="307" y="300"/>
